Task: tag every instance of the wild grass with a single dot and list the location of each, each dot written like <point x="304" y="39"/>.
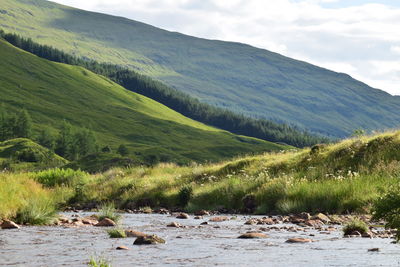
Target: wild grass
<point x="340" y="178"/>
<point x="108" y="210"/>
<point x="116" y="233"/>
<point x="61" y="177"/>
<point x="355" y="225"/>
<point x="26" y="201"/>
<point x="98" y="262"/>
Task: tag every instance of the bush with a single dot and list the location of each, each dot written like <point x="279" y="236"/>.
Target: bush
<point x="101" y="262"/>
<point x="116" y="233"/>
<point x="184" y="195"/>
<point x="388" y="208"/>
<point x="355" y="225"/>
<point x="62" y="177"/>
<point x="108" y="211"/>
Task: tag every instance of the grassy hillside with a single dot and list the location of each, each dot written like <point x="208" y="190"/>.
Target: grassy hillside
<point x="236" y="76"/>
<point x="24" y="154"/>
<point x="52" y="92"/>
<point x="340" y="178"/>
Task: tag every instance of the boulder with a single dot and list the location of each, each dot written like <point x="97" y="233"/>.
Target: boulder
<point x="322" y="217"/>
<point x="106" y="222"/>
<point x="174" y="224"/>
<point x="253" y="235"/>
<point x="373" y="250"/>
<point x="299" y="240"/>
<point x="122" y="248"/>
<point x="367" y="235"/>
<point x="198" y="217"/>
<point x="202" y="213"/>
<point x="313" y="223"/>
<point x="149" y="240"/>
<point x="183" y="216"/>
<point x="132" y="233"/>
<point x="304" y="215"/>
<point x="219" y="219"/>
<point x="251" y="222"/>
<point x="6" y="224"/>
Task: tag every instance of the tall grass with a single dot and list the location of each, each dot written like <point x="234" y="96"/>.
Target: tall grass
<point x="338" y="178"/>
<point x="25" y="200"/>
<point x="108" y="210"/>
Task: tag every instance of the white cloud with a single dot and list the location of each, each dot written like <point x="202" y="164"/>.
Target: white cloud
<point x="360" y="40"/>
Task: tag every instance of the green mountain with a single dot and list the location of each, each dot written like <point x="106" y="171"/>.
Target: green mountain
<point x="53" y="92"/>
<point x="242" y="78"/>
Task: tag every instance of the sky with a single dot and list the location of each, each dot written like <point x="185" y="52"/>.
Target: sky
<point x="357" y="37"/>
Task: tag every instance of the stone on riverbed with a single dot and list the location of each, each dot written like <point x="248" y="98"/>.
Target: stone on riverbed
<point x="149" y="240"/>
<point x="373" y="250"/>
<point x="253" y="235"/>
<point x="219" y="219"/>
<point x="322" y="217"/>
<point x="132" y="233"/>
<point x="299" y="240"/>
<point x="174" y="224"/>
<point x="106" y="222"/>
<point x="6" y="224"/>
<point x="122" y="248"/>
<point x="183" y="216"/>
<point x="202" y="213"/>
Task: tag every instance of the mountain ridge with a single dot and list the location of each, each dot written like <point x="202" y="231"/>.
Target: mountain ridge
<point x="248" y="80"/>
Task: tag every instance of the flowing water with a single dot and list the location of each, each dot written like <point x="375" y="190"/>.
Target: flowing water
<point x="215" y="244"/>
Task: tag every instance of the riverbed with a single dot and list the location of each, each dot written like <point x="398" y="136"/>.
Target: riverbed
<point x="215" y="244"/>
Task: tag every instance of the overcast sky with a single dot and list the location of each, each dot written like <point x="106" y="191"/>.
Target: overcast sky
<point x="358" y="37"/>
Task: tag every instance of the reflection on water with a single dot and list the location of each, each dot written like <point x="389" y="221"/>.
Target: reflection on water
<point x="195" y="245"/>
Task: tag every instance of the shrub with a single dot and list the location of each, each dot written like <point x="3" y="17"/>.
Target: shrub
<point x="116" y="233"/>
<point x="100" y="262"/>
<point x="184" y="195"/>
<point x="355" y="225"/>
<point x="388" y="208"/>
<point x="62" y="177"/>
<point x="108" y="211"/>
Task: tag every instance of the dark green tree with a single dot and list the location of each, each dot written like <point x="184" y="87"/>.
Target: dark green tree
<point x="23" y="125"/>
<point x="123" y="150"/>
<point x="65" y="141"/>
<point x="106" y="149"/>
<point x="84" y="143"/>
<point x="47" y="139"/>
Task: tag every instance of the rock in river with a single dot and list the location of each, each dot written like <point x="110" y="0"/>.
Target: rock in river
<point x="253" y="235"/>
<point x="106" y="222"/>
<point x="9" y="225"/>
<point x="299" y="240"/>
<point x="174" y="224"/>
<point x="202" y="213"/>
<point x="132" y="233"/>
<point x="219" y="219"/>
<point x="149" y="240"/>
<point x="183" y="216"/>
<point x="122" y="248"/>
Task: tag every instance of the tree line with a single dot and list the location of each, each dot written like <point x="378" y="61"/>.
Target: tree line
<point x="70" y="143"/>
<point x="174" y="99"/>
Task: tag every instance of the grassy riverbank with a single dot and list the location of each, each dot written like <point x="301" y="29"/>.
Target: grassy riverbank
<point x="338" y="178"/>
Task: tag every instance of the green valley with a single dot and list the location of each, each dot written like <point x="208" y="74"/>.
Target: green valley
<point x="54" y="92"/>
<point x="239" y="77"/>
